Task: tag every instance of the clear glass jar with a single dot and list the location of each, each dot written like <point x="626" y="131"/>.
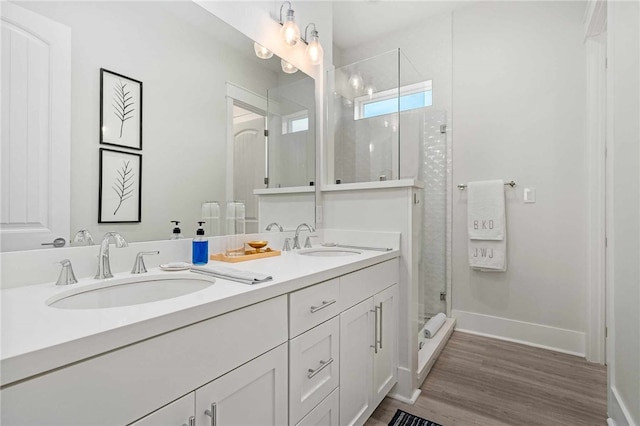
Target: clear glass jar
<point x="235" y="222"/>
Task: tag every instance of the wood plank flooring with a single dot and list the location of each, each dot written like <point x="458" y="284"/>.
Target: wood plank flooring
<point x="488" y="382"/>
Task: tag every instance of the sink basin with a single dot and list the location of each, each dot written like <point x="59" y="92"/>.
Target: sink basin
<point x="129" y="291"/>
<point x="328" y="252"/>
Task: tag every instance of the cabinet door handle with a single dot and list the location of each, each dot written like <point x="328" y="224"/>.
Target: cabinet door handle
<point x="213" y="413"/>
<point x="325" y="303"/>
<point x="375" y="330"/>
<point x="323" y="365"/>
<point x="192" y="421"/>
<point x="380" y="341"/>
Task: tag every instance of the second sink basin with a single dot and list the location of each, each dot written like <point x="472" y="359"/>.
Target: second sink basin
<point x="328" y="252"/>
<point x="130" y="291"/>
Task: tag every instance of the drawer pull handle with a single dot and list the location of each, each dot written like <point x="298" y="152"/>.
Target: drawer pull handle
<point x="323" y="365"/>
<point x="325" y="303"/>
<point x="192" y="421"/>
<point x="213" y="413"/>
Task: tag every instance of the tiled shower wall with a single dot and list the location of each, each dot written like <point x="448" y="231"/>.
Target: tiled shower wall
<point x="433" y="170"/>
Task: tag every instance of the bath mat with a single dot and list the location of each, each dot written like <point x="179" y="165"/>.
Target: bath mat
<point x="403" y="418"/>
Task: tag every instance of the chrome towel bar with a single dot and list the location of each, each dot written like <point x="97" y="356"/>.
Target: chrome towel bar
<point x="464" y="185"/>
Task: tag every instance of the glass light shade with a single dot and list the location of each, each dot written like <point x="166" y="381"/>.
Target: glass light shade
<point x="287" y="67"/>
<point x="355" y="81"/>
<point x="370" y="90"/>
<point x="315" y="51"/>
<point x="261" y="51"/>
<point x="290" y="31"/>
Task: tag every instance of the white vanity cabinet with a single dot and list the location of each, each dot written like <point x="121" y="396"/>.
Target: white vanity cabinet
<point x="368" y="355"/>
<point x="352" y="355"/>
<point x="124" y="385"/>
<point x="254" y="394"/>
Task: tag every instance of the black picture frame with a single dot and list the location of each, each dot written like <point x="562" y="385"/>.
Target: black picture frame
<point x="120" y="181"/>
<point x="120" y="110"/>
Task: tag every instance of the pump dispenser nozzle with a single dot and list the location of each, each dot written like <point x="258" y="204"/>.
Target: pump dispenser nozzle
<point x="177" y="234"/>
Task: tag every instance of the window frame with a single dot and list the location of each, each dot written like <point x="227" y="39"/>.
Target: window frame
<point x="410" y="89"/>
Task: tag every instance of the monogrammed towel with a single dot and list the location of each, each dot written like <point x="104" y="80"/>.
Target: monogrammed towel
<point x="485" y="210"/>
<point x="488" y="255"/>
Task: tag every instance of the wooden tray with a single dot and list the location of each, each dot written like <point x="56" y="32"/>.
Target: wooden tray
<point x="248" y="255"/>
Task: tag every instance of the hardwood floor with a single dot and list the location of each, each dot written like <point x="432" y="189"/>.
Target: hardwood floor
<point x="483" y="381"/>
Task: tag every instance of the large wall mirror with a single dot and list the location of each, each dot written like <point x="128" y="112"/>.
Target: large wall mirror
<point x="207" y="100"/>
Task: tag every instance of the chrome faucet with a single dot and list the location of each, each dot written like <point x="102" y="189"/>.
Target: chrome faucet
<point x="272" y="224"/>
<point x="296" y="238"/>
<point x="83" y="238"/>
<point x="104" y="267"/>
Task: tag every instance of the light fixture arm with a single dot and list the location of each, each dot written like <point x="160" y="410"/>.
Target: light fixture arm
<point x="281" y="21"/>
<point x="314" y="32"/>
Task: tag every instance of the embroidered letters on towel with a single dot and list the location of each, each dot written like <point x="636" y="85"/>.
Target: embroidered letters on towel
<point x="487" y="255"/>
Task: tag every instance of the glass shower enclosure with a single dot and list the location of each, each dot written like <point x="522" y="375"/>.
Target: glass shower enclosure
<point x="382" y="125"/>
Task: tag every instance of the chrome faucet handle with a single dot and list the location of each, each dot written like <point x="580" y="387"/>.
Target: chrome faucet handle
<point x="139" y="266"/>
<point x="66" y="276"/>
<point x="307" y="242"/>
<point x="83" y="238"/>
<point x="287" y="244"/>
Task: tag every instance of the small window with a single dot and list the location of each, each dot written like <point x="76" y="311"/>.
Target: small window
<point x="414" y="96"/>
<point x="293" y="123"/>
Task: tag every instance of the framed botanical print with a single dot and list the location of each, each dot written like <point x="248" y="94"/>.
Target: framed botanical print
<point x="120" y="188"/>
<point x="120" y="110"/>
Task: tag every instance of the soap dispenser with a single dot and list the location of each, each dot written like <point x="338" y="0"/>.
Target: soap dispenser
<point x="200" y="250"/>
<point x="177" y="234"/>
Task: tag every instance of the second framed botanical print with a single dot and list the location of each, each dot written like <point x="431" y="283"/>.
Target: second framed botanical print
<point x="120" y="190"/>
<point x="120" y="110"/>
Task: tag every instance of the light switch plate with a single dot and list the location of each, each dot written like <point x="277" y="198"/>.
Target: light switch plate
<point x="529" y="195"/>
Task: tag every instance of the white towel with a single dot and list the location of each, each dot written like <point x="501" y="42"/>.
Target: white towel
<point x="232" y="274"/>
<point x="487" y="255"/>
<point x="434" y="324"/>
<point x="485" y="210"/>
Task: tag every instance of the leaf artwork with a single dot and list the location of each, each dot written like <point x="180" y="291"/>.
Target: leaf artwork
<point x="122" y="103"/>
<point x="123" y="184"/>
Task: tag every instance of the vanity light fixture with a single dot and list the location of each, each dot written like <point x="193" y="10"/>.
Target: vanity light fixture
<point x="314" y="49"/>
<point x="261" y="51"/>
<point x="290" y="31"/>
<point x="287" y="67"/>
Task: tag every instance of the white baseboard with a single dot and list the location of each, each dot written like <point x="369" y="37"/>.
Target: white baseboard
<point x="410" y="401"/>
<point x="618" y="413"/>
<point x="541" y="336"/>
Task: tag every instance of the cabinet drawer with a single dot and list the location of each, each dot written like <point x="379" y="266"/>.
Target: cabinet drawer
<point x="175" y="414"/>
<point x="313" y="305"/>
<point x="314" y="367"/>
<point x="325" y="414"/>
<point x="360" y="285"/>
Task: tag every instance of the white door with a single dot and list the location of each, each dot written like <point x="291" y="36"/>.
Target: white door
<point x="385" y="358"/>
<point x="179" y="412"/>
<point x="36" y="130"/>
<point x="254" y="394"/>
<point x="356" y="369"/>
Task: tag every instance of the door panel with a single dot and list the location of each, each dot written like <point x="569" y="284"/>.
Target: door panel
<point x="35" y="147"/>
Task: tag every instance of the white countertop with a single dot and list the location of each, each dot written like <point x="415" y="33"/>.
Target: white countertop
<point x="37" y="338"/>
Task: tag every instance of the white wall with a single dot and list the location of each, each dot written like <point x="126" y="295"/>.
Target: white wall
<point x="183" y="70"/>
<point x="518" y="113"/>
<point x="623" y="355"/>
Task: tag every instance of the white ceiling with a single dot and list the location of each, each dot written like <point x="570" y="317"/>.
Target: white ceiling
<point x="357" y="22"/>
